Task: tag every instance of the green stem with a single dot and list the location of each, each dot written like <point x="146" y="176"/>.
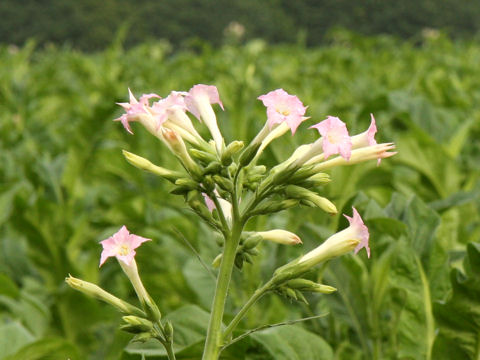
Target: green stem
<point x="255" y="297"/>
<point x="169" y="347"/>
<point x="214" y="340"/>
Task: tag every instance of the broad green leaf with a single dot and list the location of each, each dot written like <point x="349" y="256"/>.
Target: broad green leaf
<point x="13" y="336"/>
<point x="459" y="317"/>
<point x="293" y="343"/>
<point x="48" y="348"/>
<point x="414" y="329"/>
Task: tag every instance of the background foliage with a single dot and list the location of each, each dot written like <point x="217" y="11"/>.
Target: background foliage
<point x="182" y="21"/>
<point x="65" y="186"/>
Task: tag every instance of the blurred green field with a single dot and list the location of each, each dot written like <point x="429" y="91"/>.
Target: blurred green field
<point x="64" y="186"/>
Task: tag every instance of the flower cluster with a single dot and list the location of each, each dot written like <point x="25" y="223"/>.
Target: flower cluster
<point x="224" y="184"/>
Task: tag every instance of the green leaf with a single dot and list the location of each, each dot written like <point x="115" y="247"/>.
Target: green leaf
<point x="459" y="317"/>
<point x="13" y="336"/>
<point x="51" y="349"/>
<point x="293" y="343"/>
<point x="415" y="324"/>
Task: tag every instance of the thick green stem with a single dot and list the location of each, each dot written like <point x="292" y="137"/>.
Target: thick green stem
<point x="214" y="333"/>
<point x="255" y="297"/>
<point x="170" y="352"/>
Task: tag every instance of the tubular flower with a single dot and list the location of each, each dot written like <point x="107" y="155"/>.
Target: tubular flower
<point x="367" y="138"/>
<point x="198" y="102"/>
<point x="355" y="237"/>
<point x="378" y="151"/>
<point x="134" y="109"/>
<point x="335" y="138"/>
<point x="283" y="107"/>
<point x="122" y="245"/>
<point x="224" y="204"/>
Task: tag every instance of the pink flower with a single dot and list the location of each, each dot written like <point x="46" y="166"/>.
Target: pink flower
<point x="134" y="108"/>
<point x="367" y="138"/>
<point x="163" y="108"/>
<point x="201" y="93"/>
<point x="361" y="231"/>
<point x="282" y="107"/>
<point x="335" y="137"/>
<point x="199" y="102"/>
<point x="354" y="237"/>
<point x="122" y="245"/>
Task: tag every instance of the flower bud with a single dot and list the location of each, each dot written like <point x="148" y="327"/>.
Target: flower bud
<point x="232" y="149"/>
<point x="176" y="144"/>
<point x="270" y="206"/>
<point x="309" y="197"/>
<point x="280" y="237"/>
<point x="97" y="292"/>
<point x="136" y="325"/>
<point x="224" y="183"/>
<point x="252" y="241"/>
<point x="204" y="156"/>
<point x="168" y="331"/>
<point x="144" y="164"/>
<point x="307" y="285"/>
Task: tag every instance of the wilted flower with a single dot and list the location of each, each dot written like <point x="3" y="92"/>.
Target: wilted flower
<point x="335" y="138"/>
<point x="122" y="245"/>
<point x="134" y="109"/>
<point x="283" y="107"/>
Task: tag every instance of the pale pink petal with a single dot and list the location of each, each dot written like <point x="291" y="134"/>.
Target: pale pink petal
<point x="372" y="130"/>
<point x="283" y="107"/>
<point x="209" y="202"/>
<point x="361" y="231"/>
<point x="335" y="137"/>
<point x="199" y="93"/>
<point x="122" y="245"/>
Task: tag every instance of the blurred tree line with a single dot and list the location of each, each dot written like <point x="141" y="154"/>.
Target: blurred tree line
<point x="92" y="24"/>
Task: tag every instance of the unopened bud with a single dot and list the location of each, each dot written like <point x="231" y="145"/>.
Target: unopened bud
<point x="136" y="325"/>
<point x="97" y="292"/>
<point x="213" y="168"/>
<point x="144" y="164"/>
<point x="188" y="183"/>
<point x="168" y="331"/>
<point x="224" y="183"/>
<point x="269" y="207"/>
<point x="280" y="236"/>
<point x="217" y="261"/>
<point x="252" y="241"/>
<point x="307" y="285"/>
<point x="203" y="156"/>
<point x="232" y="149"/>
<point x="248" y="154"/>
<point x="298" y="192"/>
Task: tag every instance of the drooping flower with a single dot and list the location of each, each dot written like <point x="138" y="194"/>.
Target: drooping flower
<point x="283" y="107"/>
<point x="199" y="102"/>
<point x="355" y="237"/>
<point x="134" y="109"/>
<point x="335" y="138"/>
<point x="122" y="245"/>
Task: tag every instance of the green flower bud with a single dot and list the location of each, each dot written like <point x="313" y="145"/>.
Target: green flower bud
<point x="232" y="149"/>
<point x="202" y="156"/>
<point x="144" y="164"/>
<point x="224" y="183"/>
<point x="268" y="207"/>
<point x="97" y="292"/>
<point x="136" y="325"/>
<point x="213" y="168"/>
<point x="168" y="331"/>
<point x="188" y="183"/>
